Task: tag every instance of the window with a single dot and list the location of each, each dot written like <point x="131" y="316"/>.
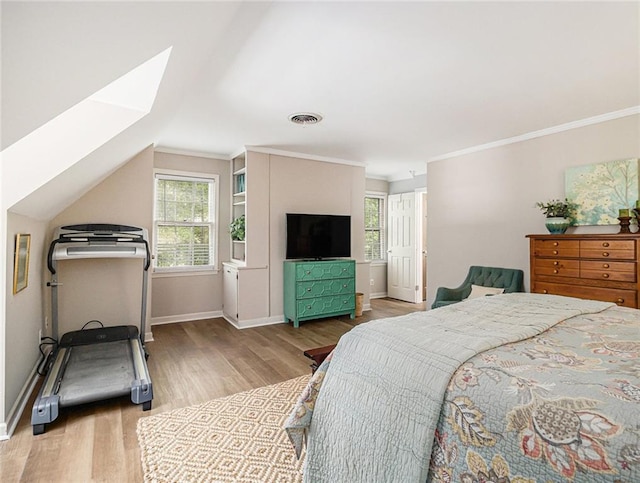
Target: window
<point x="374" y="227"/>
<point x="184" y="222"/>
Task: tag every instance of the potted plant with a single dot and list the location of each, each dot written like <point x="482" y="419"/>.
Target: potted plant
<point x="237" y="229"/>
<point x="560" y="214"/>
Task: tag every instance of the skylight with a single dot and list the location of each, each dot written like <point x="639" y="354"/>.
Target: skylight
<point x="66" y="139"/>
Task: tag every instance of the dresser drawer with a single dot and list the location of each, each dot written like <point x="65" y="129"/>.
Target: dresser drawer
<point x="557" y="248"/>
<point x="625" y="298"/>
<point x="324" y="306"/>
<point x="557" y="267"/>
<point x="325" y="270"/>
<point x="607" y="244"/>
<point x="319" y="288"/>
<point x="608" y="249"/>
<point x="608" y="254"/>
<point x="605" y="270"/>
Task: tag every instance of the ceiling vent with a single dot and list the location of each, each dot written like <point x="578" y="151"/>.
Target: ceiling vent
<point x="305" y="118"/>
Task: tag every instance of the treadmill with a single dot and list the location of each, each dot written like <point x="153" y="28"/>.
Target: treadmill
<point x="95" y="364"/>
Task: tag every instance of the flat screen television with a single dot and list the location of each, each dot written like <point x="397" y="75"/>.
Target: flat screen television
<point x="318" y="236"/>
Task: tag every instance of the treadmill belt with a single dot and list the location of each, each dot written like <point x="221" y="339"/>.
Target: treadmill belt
<point x="97" y="371"/>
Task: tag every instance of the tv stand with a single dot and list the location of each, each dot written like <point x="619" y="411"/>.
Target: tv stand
<point x="319" y="288"/>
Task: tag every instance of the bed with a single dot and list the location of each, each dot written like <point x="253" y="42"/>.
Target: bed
<point x="508" y="388"/>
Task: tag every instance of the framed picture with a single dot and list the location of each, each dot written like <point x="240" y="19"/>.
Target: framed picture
<point x="602" y="189"/>
<point x="21" y="262"/>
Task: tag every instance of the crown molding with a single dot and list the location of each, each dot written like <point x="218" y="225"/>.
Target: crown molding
<point x="312" y="157"/>
<point x="378" y="177"/>
<point x="610" y="116"/>
<point x="186" y="152"/>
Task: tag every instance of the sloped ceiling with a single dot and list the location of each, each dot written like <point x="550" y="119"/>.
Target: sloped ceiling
<point x="398" y="83"/>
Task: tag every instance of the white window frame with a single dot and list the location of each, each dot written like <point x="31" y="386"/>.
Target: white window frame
<point x="213" y="224"/>
<point x="382" y="228"/>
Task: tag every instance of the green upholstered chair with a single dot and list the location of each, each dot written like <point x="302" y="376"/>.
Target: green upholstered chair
<point x="511" y="280"/>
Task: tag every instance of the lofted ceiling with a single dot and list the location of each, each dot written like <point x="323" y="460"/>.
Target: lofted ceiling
<point x="398" y="84"/>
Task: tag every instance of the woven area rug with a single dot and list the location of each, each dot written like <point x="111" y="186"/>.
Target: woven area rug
<point x="238" y="438"/>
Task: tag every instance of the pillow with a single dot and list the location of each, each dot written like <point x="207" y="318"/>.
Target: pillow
<point x="480" y="291"/>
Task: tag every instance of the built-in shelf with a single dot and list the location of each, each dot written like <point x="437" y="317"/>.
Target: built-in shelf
<point x="238" y="241"/>
<point x="238" y="204"/>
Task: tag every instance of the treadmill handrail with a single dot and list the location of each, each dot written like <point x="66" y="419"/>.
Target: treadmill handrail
<point x="83" y="238"/>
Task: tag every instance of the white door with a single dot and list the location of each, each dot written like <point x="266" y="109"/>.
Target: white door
<point x="424" y="245"/>
<point x="401" y="269"/>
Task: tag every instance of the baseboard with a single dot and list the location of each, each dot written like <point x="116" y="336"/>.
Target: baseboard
<point x="7" y="429"/>
<point x="173" y="319"/>
<point x="366" y="307"/>
<point x="378" y="295"/>
<point x="259" y="322"/>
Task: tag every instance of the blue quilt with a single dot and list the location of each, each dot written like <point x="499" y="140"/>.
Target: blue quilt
<point x="561" y="405"/>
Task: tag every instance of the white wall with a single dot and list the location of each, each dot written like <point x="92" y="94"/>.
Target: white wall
<point x="377" y="271"/>
<point x="3" y="314"/>
<point x="24" y="310"/>
<point x="90" y="287"/>
<point x="482" y="205"/>
<point x="108" y="290"/>
<point x="304" y="186"/>
<point x="181" y="296"/>
<point x="408" y="185"/>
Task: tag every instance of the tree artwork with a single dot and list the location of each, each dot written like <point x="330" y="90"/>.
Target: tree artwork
<point x="600" y="190"/>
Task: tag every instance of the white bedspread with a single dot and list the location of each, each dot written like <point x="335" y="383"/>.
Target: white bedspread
<point x="378" y="408"/>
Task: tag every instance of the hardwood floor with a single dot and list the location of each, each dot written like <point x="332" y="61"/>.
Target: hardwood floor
<point x="190" y="363"/>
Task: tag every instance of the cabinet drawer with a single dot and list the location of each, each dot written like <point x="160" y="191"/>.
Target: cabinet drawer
<point x="325" y="270"/>
<point x="319" y="288"/>
<point x="605" y="270"/>
<point x="625" y="298"/>
<point x="325" y="305"/>
<point x="557" y="267"/>
<point x="557" y="248"/>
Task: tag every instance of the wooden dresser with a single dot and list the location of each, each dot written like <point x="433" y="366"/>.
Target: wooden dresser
<point x="598" y="267"/>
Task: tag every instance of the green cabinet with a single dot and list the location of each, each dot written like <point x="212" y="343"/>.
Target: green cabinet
<point x="315" y="289"/>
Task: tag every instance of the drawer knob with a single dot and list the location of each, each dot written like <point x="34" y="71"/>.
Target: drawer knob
<point x="556" y="263"/>
<point x="620" y="301"/>
<point x="309" y="289"/>
<point x="555" y="271"/>
<point x="605" y="254"/>
<point x="555" y="244"/>
<point x="308" y="272"/>
<point x="605" y="265"/>
<point x="344" y="301"/>
<point x="605" y="275"/>
<point x="555" y="252"/>
<point x="308" y="307"/>
<point x="344" y="285"/>
<point x="605" y="244"/>
<point x="545" y="291"/>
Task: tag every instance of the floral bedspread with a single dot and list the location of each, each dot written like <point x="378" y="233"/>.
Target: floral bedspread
<point x="562" y="406"/>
